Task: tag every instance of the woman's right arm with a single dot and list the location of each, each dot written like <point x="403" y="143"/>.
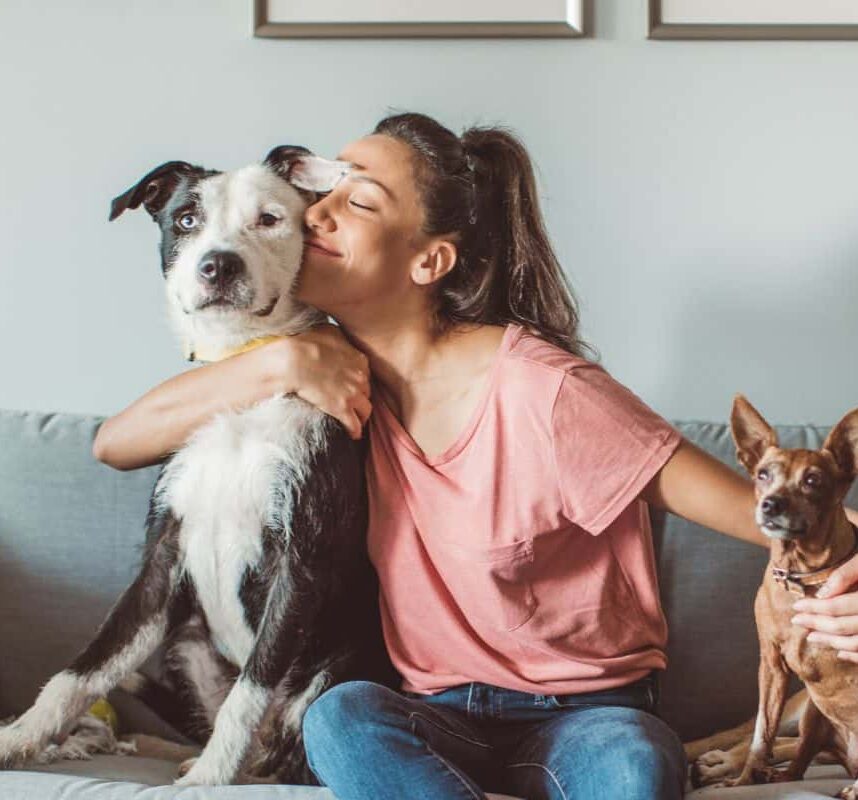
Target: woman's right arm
<point x="319" y="366"/>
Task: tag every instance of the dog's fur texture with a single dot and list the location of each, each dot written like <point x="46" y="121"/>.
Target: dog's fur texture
<point x="800" y="497"/>
<point x="255" y="576"/>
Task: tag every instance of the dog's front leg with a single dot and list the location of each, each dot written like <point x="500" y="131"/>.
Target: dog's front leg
<point x="132" y="630"/>
<point x="247" y="701"/>
<point x="773" y="679"/>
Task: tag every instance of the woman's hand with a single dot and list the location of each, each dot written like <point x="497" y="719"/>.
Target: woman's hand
<point x="832" y="616"/>
<point x="331" y="374"/>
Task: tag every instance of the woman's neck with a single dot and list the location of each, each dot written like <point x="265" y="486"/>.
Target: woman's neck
<point x="411" y="359"/>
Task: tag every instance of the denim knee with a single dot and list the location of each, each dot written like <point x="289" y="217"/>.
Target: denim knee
<point x="657" y="763"/>
<point x="342" y="707"/>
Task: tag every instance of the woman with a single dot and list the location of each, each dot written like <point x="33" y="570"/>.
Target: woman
<point x="506" y="474"/>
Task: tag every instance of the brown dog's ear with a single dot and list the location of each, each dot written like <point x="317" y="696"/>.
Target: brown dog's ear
<point x="842" y="443"/>
<point x="153" y="190"/>
<point x="304" y="170"/>
<point x="751" y="433"/>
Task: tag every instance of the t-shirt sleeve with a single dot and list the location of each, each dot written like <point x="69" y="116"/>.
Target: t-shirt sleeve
<point x="608" y="444"/>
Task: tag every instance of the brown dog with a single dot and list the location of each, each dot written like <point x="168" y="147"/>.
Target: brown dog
<point x="800" y="507"/>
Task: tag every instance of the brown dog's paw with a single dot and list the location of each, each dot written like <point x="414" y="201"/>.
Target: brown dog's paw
<point x="712" y="767"/>
<point x="848" y="793"/>
<point x="771" y="775"/>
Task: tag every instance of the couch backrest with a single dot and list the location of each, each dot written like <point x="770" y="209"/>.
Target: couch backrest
<point x="71" y="532"/>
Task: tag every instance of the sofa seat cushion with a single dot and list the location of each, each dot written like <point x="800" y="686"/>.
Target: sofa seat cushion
<point x="132" y="778"/>
<point x="820" y="781"/>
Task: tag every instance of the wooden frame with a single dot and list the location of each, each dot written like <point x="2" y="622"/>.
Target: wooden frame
<point x="574" y="26"/>
<point x="659" y="29"/>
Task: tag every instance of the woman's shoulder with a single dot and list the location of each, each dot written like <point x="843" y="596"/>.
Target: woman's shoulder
<point x="526" y="345"/>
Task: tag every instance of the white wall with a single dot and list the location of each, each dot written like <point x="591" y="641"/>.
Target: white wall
<point x="702" y="195"/>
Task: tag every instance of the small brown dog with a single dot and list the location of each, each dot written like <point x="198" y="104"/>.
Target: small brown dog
<point x="800" y="507"/>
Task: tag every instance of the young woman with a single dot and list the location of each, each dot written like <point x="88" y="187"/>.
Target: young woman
<point x="508" y="477"/>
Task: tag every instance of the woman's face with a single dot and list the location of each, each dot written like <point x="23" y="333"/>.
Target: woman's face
<point x="364" y="238"/>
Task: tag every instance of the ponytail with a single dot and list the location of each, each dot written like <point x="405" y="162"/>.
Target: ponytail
<point x="481" y="188"/>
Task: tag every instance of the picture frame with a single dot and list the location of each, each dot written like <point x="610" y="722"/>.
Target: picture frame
<point x="419" y="18"/>
<point x="753" y="19"/>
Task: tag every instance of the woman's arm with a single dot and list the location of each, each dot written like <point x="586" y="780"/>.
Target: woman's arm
<point x="700" y="488"/>
<point x="320" y="366"/>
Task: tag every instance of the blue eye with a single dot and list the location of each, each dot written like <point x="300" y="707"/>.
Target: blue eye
<point x="187" y="222"/>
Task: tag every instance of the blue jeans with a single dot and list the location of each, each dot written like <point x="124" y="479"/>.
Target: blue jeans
<point x="367" y="742"/>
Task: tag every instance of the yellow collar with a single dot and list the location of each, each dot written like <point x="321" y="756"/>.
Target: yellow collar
<point x="207" y="356"/>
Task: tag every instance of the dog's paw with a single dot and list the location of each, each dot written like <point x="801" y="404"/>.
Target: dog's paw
<point x="771" y="775"/>
<point x="848" y="793"/>
<point x="16" y="746"/>
<point x="711" y="767"/>
<point x="201" y="774"/>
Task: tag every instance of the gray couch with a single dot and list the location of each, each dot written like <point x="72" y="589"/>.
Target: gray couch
<point x="70" y="538"/>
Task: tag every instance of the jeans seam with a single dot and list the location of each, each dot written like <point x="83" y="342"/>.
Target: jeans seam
<point x="414" y="714"/>
<point x="550" y="773"/>
<point x="450" y="768"/>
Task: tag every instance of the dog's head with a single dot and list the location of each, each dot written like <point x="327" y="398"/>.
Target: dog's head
<point x="232" y="242"/>
<point x="797" y="490"/>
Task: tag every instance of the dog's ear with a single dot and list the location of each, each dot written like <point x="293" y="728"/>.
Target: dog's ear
<point x="304" y="170"/>
<point x="751" y="433"/>
<point x="842" y="443"/>
<point x="154" y="189"/>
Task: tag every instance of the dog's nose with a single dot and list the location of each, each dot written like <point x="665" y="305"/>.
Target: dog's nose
<point x="773" y="505"/>
<point x="220" y="266"/>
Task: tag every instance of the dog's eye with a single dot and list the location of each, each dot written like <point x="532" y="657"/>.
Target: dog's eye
<point x="267" y="220"/>
<point x="763" y="475"/>
<point x="812" y="480"/>
<point x="187" y="222"/>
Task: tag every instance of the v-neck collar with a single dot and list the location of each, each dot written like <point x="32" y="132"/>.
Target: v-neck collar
<point x="510" y="336"/>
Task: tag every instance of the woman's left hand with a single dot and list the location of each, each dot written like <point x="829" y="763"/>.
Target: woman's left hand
<point x="832" y="616"/>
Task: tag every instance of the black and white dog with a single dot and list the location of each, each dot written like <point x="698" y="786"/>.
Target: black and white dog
<point x="255" y="575"/>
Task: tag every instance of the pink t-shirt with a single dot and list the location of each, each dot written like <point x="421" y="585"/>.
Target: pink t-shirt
<point x="521" y="556"/>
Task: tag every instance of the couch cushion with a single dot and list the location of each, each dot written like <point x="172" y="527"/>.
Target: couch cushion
<point x="130" y="778"/>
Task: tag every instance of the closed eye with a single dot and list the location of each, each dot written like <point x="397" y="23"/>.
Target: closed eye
<point x="358" y="205"/>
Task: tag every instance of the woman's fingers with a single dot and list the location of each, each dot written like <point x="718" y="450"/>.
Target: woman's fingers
<point x="849" y="643"/>
<point x="362" y="407"/>
<point x="841" y="625"/>
<point x="843" y="578"/>
<point x="842" y="605"/>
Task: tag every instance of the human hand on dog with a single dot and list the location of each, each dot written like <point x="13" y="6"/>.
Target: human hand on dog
<point x="832" y="616"/>
<point x="328" y="372"/>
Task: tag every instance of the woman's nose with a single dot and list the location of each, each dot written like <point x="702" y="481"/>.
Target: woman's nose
<point x="317" y="216"/>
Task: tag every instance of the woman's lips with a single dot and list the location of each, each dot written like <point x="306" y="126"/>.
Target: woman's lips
<point x="315" y="244"/>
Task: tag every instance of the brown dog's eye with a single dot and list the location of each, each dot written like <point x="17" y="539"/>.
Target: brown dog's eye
<point x="763" y="475"/>
<point x="812" y="480"/>
<point x="267" y="220"/>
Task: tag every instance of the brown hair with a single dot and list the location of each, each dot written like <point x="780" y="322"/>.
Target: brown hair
<point x="481" y="187"/>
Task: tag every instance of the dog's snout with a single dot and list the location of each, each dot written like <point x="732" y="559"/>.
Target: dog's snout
<point x="220" y="267"/>
<point x="773" y="505"/>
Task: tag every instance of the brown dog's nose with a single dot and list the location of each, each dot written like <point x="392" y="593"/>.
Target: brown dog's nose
<point x="773" y="505"/>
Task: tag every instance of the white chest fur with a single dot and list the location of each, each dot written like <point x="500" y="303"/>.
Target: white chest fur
<point x="225" y="486"/>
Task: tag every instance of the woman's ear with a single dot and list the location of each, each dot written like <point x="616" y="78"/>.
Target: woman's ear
<point x="434" y="262"/>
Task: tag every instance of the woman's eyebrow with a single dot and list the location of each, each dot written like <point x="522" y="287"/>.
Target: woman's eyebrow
<point x="355" y="176"/>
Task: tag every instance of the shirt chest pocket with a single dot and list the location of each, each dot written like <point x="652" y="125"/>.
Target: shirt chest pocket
<point x="490" y="585"/>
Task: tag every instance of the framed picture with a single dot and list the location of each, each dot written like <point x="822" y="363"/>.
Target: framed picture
<point x="418" y="18"/>
<point x="753" y="19"/>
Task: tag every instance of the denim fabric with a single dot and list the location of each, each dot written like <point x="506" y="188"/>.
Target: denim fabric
<point x="367" y="742"/>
